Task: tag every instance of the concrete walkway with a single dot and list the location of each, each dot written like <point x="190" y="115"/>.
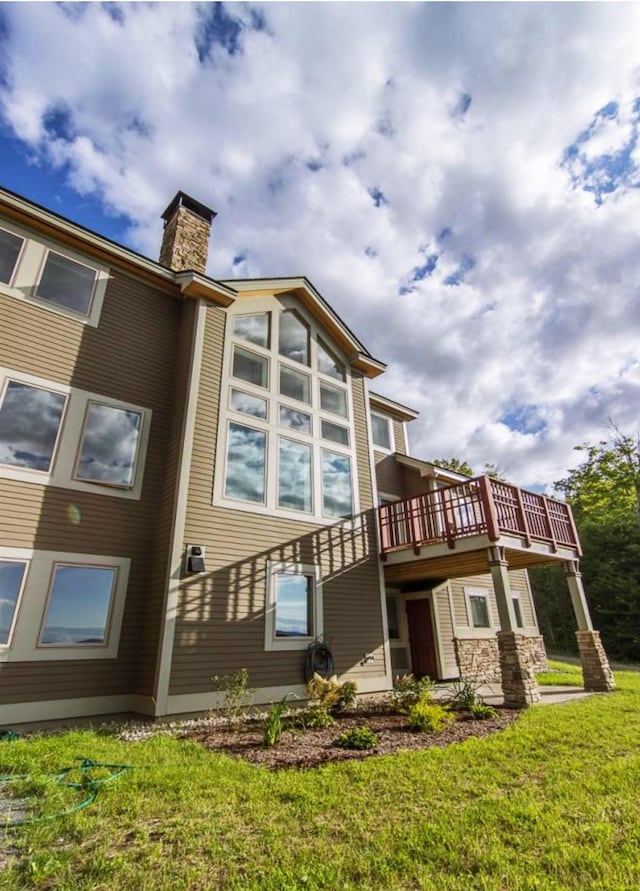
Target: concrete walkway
<point x="492" y="694"/>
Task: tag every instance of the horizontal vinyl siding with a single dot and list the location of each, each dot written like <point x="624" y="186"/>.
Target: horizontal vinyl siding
<point x="130" y="356"/>
<point x="220" y="622"/>
<point x="448" y="668"/>
<point x="399" y="437"/>
<point x="389" y="475"/>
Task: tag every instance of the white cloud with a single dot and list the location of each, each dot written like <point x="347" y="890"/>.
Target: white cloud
<point x="370" y="96"/>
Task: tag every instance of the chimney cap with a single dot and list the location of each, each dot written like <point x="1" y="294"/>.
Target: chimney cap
<point x="181" y="199"/>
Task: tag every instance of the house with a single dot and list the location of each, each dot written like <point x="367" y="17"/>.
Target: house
<point x="195" y="477"/>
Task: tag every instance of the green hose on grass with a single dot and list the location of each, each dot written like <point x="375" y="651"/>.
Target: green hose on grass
<point x="87" y="783"/>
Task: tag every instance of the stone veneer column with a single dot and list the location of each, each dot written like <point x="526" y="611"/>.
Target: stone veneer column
<point x="596" y="673"/>
<point x="519" y="684"/>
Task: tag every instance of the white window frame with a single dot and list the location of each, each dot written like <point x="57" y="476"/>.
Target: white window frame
<point x="392" y="442"/>
<point x="11" y="231"/>
<point x="29" y="617"/>
<point x="69" y="441"/>
<point x="271" y="426"/>
<point x="273" y="643"/>
<point x="28" y="271"/>
<point x="16" y="610"/>
<point x="516" y="598"/>
<point x="478" y="592"/>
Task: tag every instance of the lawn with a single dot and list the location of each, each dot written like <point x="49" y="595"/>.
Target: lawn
<point x="549" y="803"/>
<point x="561" y="674"/>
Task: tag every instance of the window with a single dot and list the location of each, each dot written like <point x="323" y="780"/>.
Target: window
<point x="296" y="420"/>
<point x="52" y="434"/>
<point x="335" y="433"/>
<point x="29" y="425"/>
<point x="67" y="283"/>
<point x="293" y="616"/>
<point x="35" y="271"/>
<point x="10" y="248"/>
<point x="294" y="475"/>
<point x="294" y="337"/>
<point x="334" y="400"/>
<point x="294" y="384"/>
<point x="517" y="612"/>
<point x="287" y="448"/>
<point x="392" y="617"/>
<point x="246" y="457"/>
<point x="248" y="405"/>
<point x="254" y="328"/>
<point x="78" y="608"/>
<point x="250" y="367"/>
<point x="479" y="610"/>
<point x="12" y="574"/>
<point x="328" y="364"/>
<point x="56" y="605"/>
<point x="109" y="445"/>
<point x="336" y="485"/>
<point x="381" y="431"/>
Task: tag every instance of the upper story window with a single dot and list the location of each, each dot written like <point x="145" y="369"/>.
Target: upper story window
<point x="60" y="280"/>
<point x="59" y="435"/>
<point x="381" y="431"/>
<point x="287" y="433"/>
<point x="10" y="248"/>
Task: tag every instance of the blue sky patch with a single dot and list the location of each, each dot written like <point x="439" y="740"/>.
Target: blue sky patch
<point x="456" y="278"/>
<point x="424" y="271"/>
<point x="462" y="106"/>
<point x="238" y="259"/>
<point x="524" y="418"/>
<point x="314" y="166"/>
<point x="58" y="122"/>
<point x="370" y="252"/>
<point x="217" y="27"/>
<point x="444" y="233"/>
<point x="378" y="196"/>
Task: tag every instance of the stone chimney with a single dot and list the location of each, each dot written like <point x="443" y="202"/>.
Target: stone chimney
<point x="185" y="240"/>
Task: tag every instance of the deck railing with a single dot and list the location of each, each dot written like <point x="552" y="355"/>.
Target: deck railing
<point x="478" y="506"/>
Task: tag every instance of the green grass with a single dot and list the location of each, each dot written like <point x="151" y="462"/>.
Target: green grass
<point x="561" y="674"/>
<point x="550" y="803"/>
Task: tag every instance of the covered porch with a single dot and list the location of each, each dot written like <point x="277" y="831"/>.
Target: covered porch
<point x="485" y="525"/>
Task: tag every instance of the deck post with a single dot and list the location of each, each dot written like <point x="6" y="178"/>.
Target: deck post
<point x="519" y="684"/>
<point x="490" y="515"/>
<point x="596" y="672"/>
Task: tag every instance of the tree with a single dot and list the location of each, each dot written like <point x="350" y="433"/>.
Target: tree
<point x="604" y="494"/>
<point x="455" y="465"/>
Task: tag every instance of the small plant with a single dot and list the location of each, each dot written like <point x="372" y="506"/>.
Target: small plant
<point x="273" y="724"/>
<point x="407" y="690"/>
<point x="480" y="711"/>
<point x="428" y="717"/>
<point x="465" y="694"/>
<point x="329" y="695"/>
<point x="238" y="697"/>
<point x="313" y="718"/>
<point x="360" y="738"/>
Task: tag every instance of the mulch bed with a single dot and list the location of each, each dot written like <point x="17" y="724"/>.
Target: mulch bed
<point x="313" y="747"/>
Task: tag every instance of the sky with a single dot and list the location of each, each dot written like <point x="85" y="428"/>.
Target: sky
<point x="459" y="181"/>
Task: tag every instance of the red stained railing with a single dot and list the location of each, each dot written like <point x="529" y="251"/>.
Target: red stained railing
<point x="479" y="506"/>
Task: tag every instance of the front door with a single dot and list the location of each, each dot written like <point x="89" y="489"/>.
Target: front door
<point x="421" y="639"/>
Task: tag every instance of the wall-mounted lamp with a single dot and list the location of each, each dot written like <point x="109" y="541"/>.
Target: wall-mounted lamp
<point x="194" y="559"/>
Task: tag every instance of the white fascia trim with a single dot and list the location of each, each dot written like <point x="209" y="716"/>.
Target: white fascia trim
<point x="402" y="412"/>
<point x="62" y="709"/>
<point x="165" y="651"/>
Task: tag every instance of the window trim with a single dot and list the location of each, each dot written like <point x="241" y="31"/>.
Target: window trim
<point x="62" y="470"/>
<point x="392" y="444"/>
<point x="16" y="265"/>
<point x="516" y="601"/>
<point x="273" y="643"/>
<point x="107" y="627"/>
<point x="30" y="265"/>
<point x="16" y="609"/>
<point x="25" y="644"/>
<point x="478" y="592"/>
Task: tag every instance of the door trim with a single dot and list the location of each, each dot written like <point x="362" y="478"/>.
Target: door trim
<point x="435" y="622"/>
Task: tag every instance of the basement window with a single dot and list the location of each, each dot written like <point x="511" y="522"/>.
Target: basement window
<point x="479" y="609"/>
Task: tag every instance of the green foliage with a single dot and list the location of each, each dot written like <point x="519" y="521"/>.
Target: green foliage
<point x="604" y="493"/>
<point x="273" y="723"/>
<point x="313" y="717"/>
<point x="560" y="674"/>
<point x="238" y="697"/>
<point x="480" y="711"/>
<point x="329" y="695"/>
<point x="428" y="717"/>
<point x="465" y="693"/>
<point x="360" y="738"/>
<point x="407" y="690"/>
<point x="454" y="464"/>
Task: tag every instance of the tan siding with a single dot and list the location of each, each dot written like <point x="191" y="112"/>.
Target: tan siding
<point x="399" y="437"/>
<point x="414" y="484"/>
<point x="520" y="586"/>
<point x="220" y="625"/>
<point x="389" y="475"/>
<point x="448" y="667"/>
<point x="129" y="356"/>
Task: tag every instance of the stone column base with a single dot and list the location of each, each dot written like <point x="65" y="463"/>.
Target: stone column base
<point x="596" y="673"/>
<point x="516" y="665"/>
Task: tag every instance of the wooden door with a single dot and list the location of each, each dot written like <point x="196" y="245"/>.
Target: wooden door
<point x="421" y="639"/>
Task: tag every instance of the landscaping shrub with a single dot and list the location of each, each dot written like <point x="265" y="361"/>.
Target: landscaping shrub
<point x="428" y="717"/>
<point x="238" y="697"/>
<point x="408" y="690"/>
<point x="329" y="695"/>
<point x="479" y="711"/>
<point x="360" y="738"/>
<point x="465" y="694"/>
<point x="314" y="717"/>
<point x="273" y="724"/>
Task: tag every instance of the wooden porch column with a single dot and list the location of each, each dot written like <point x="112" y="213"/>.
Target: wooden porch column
<point x="519" y="684"/>
<point x="596" y="672"/>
